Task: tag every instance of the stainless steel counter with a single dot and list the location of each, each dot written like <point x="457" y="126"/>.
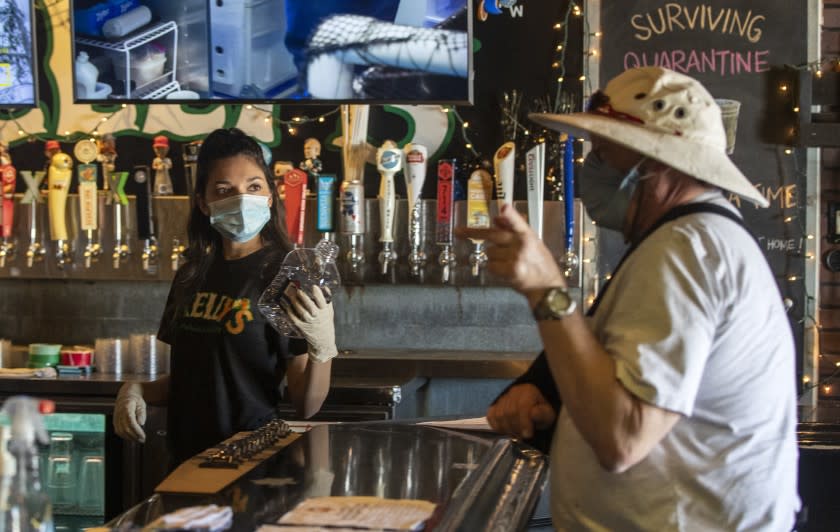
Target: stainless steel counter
<point x="479" y="481"/>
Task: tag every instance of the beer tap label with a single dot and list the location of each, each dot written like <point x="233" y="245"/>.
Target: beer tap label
<point x="118" y="181"/>
<point x="295" y="181"/>
<point x="478" y="203"/>
<point x="326" y="191"/>
<point x="352" y="208"/>
<point x="87" y="196"/>
<point x="390" y="160"/>
<point x="415" y="156"/>
<point x="33" y="186"/>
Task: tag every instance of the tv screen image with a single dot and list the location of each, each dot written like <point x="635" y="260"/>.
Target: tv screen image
<point x="331" y="51"/>
<point x="17" y="53"/>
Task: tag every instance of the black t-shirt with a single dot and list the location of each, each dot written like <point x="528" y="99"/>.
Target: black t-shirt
<point x="227" y="361"/>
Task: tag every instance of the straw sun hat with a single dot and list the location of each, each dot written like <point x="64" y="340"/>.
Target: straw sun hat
<point x="666" y="116"/>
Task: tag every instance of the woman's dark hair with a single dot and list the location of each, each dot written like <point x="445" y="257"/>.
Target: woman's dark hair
<point x="205" y="243"/>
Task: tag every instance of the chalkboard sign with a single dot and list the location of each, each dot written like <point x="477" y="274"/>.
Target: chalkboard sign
<point x="731" y="48"/>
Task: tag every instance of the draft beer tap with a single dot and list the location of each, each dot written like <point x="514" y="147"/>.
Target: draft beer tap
<point x="388" y="162"/>
<point x="119" y="202"/>
<point x="58" y="182"/>
<point x="503" y="162"/>
<point x="115" y="183"/>
<point x="32" y="198"/>
<point x="326" y="247"/>
<point x="87" y="151"/>
<point x="570" y="259"/>
<point x="352" y="217"/>
<point x="177" y="255"/>
<point x="445" y="217"/>
<point x="416" y="157"/>
<point x="295" y="202"/>
<point x="8" y="180"/>
<point x="479" y="190"/>
<point x="191" y="166"/>
<point x="535" y="181"/>
<point x="146" y="220"/>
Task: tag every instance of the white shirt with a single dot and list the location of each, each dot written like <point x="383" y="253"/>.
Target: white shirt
<point x="695" y="322"/>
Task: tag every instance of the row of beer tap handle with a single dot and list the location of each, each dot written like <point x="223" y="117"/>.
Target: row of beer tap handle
<point x="412" y="161"/>
<point x="98" y="212"/>
<point x="50" y="216"/>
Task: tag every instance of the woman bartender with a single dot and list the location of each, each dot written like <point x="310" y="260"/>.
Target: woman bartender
<point x="227" y="362"/>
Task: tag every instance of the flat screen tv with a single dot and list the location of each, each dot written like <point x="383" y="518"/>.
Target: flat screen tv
<point x="17" y="54"/>
<point x="302" y="51"/>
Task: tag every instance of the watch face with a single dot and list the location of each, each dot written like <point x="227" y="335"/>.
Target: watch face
<point x="559" y="302"/>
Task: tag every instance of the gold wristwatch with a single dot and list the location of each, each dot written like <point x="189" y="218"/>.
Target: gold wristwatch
<point x="555" y="304"/>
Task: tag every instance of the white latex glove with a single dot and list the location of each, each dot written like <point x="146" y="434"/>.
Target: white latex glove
<point x="130" y="413"/>
<point x="314" y="317"/>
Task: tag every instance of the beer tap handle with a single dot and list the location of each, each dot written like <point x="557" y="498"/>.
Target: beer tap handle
<point x="503" y="162"/>
<point x="388" y="162"/>
<point x="416" y="156"/>
<point x="570" y="260"/>
<point x="120" y="204"/>
<point x="295" y="202"/>
<point x="146" y="230"/>
<point x="535" y="177"/>
<point x="87" y="151"/>
<point x="32" y="197"/>
<point x="443" y="229"/>
<point x="352" y="217"/>
<point x="8" y="180"/>
<point x="478" y="214"/>
<point x="59" y="177"/>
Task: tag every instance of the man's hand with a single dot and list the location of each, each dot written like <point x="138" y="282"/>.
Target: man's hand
<point x="516" y="253"/>
<point x="521" y="411"/>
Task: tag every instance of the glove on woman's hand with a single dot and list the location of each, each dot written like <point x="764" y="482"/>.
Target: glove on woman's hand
<point x="314" y="317"/>
<point x="130" y="412"/>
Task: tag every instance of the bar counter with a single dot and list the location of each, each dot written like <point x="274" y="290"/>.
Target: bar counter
<point x="478" y="481"/>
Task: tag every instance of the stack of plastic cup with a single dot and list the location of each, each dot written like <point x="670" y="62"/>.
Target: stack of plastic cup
<point x="110" y="355"/>
<point x="148" y="355"/>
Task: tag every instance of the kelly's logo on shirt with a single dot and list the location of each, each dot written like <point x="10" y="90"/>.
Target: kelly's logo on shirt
<point x="233" y="314"/>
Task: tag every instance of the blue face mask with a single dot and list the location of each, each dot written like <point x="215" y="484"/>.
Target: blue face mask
<point x="606" y="191"/>
<point x="240" y="218"/>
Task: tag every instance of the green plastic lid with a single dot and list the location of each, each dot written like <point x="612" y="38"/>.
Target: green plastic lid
<point x="44" y="349"/>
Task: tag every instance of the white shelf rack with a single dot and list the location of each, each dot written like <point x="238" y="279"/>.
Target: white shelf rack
<point x="158" y="87"/>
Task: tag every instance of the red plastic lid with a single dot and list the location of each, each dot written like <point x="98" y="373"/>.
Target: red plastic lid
<point x="45" y="406"/>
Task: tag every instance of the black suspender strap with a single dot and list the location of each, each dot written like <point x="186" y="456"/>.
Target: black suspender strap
<point x="673" y="214"/>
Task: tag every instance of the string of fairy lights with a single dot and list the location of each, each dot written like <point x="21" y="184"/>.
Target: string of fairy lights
<point x="817" y="68"/>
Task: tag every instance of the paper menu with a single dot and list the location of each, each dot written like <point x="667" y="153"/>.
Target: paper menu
<point x="358" y="513"/>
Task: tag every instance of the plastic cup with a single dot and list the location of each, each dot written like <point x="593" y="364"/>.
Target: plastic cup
<point x="92" y="484"/>
<point x="61" y="474"/>
<point x="110" y="355"/>
<point x="729" y="110"/>
<point x="148" y="355"/>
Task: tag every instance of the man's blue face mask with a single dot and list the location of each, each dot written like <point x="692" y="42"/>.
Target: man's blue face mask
<point x="606" y="191"/>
